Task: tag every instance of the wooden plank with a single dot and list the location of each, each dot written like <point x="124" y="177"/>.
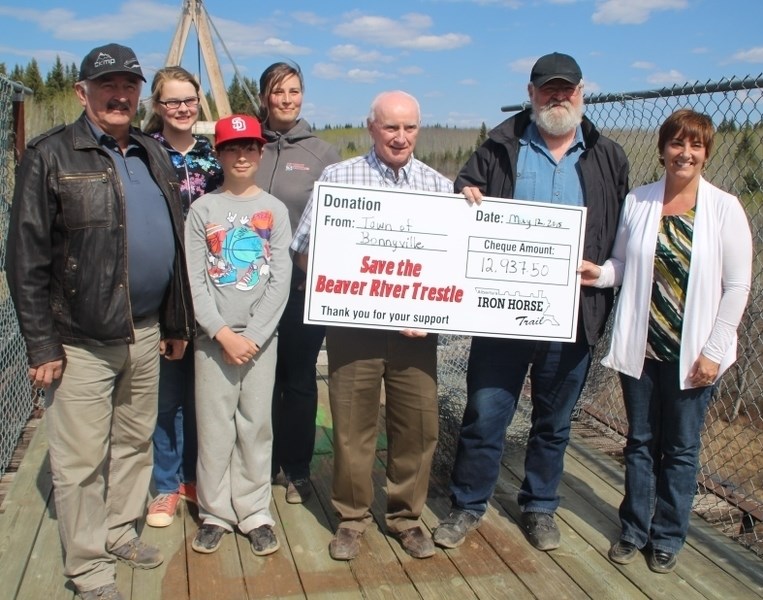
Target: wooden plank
<point x="316" y="561"/>
<point x="706" y="563"/>
<point x="272" y="576"/>
<point x="587" y="527"/>
<point x="216" y="576"/>
<point x="168" y="580"/>
<point x="482" y="573"/>
<point x="663" y="586"/>
<point x="378" y="569"/>
<point x="386" y="568"/>
<point x="25" y="509"/>
<point x="495" y="562"/>
<point x="536" y="570"/>
<point x="44" y="576"/>
<point x="724" y="551"/>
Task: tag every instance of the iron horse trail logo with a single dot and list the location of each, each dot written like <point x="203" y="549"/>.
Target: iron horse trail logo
<point x="528" y="309"/>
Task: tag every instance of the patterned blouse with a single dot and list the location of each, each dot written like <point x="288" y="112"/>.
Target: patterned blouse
<point x="198" y="171"/>
<point x="671" y="277"/>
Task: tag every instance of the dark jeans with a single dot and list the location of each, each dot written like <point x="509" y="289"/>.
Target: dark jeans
<point x="661" y="455"/>
<point x="495" y="376"/>
<point x="295" y="394"/>
<point x="175" y="434"/>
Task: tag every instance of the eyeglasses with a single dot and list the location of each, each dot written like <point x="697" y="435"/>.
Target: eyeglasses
<point x="191" y="102"/>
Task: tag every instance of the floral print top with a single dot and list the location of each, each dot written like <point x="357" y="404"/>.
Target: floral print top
<point x="198" y="171"/>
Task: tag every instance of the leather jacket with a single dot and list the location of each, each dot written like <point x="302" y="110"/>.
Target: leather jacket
<point x="603" y="169"/>
<point x="67" y="245"/>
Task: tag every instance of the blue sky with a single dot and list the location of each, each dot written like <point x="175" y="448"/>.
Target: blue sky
<point x="463" y="59"/>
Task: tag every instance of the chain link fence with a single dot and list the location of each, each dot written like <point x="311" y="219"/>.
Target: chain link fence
<point x="730" y="481"/>
<point x="16" y="396"/>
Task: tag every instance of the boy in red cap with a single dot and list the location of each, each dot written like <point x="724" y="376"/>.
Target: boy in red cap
<point x="237" y="248"/>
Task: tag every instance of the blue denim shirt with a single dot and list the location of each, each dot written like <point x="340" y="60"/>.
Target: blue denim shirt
<point x="541" y="178"/>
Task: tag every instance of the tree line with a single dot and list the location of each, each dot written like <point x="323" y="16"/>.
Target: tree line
<point x="444" y="148"/>
<point x="61" y="79"/>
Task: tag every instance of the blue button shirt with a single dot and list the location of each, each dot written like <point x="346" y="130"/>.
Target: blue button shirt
<point x="541" y="178"/>
<point x="150" y="239"/>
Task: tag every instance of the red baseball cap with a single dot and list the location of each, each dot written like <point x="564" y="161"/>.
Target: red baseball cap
<point x="238" y="127"/>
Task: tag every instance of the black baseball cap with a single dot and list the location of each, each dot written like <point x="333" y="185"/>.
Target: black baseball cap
<point x="111" y="58"/>
<point x="555" y="66"/>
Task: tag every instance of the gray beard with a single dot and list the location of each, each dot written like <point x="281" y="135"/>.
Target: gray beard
<point x="560" y="122"/>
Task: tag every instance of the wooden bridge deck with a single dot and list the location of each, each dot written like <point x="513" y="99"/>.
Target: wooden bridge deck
<point x="495" y="562"/>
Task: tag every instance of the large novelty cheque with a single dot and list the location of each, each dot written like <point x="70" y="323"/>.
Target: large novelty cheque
<point x="399" y="259"/>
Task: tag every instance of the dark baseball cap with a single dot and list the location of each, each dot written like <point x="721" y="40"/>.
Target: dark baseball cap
<point x="238" y="127"/>
<point x="555" y="66"/>
<point x="111" y="58"/>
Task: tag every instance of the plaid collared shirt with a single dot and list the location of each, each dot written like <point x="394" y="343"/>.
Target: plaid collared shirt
<point x="369" y="171"/>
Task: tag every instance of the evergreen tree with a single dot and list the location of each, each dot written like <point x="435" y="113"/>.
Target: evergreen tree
<point x="727" y="125"/>
<point x="73" y="75"/>
<point x="240" y="103"/>
<point x="2" y="69"/>
<point x="56" y="81"/>
<point x="482" y="136"/>
<point x="212" y="107"/>
<point x="33" y="79"/>
<point x="17" y="74"/>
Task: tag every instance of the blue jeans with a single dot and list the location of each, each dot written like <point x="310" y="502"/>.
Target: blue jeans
<point x="295" y="394"/>
<point x="494" y="379"/>
<point x="175" y="434"/>
<point x="661" y="455"/>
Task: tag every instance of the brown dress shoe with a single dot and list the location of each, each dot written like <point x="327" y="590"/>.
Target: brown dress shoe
<point x="415" y="542"/>
<point x="345" y="544"/>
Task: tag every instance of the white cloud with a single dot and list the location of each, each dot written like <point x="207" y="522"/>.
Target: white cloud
<point x="327" y="71"/>
<point x="632" y="12"/>
<point x="591" y="87"/>
<point x="350" y="52"/>
<point x="309" y="18"/>
<point x="333" y="71"/>
<point x="666" y="78"/>
<point x="701" y="50"/>
<point x="753" y="55"/>
<point x="642" y="64"/>
<point x="365" y="75"/>
<point x="246" y="40"/>
<point x="130" y="19"/>
<point x="751" y="97"/>
<point x="468" y="82"/>
<point x="505" y="3"/>
<point x="408" y="32"/>
<point x="412" y="70"/>
<point x="458" y="119"/>
<point x="523" y="65"/>
<point x="41" y="56"/>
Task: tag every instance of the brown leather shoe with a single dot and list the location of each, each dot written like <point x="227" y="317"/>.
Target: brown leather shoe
<point x="345" y="544"/>
<point x="415" y="542"/>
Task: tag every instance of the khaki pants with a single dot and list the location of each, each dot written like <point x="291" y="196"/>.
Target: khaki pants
<point x="100" y="419"/>
<point x="359" y="359"/>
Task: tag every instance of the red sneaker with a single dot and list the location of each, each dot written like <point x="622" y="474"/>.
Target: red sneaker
<point x="187" y="492"/>
<point x="161" y="512"/>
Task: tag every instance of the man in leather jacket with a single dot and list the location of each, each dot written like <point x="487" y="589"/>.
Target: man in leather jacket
<point x="92" y="198"/>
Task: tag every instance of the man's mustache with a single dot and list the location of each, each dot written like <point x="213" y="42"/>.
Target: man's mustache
<point x="117" y="105"/>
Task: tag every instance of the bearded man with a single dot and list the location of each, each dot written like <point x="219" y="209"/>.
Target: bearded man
<point x="550" y="153"/>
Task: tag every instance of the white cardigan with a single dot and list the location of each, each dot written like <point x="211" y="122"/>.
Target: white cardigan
<point x="718" y="287"/>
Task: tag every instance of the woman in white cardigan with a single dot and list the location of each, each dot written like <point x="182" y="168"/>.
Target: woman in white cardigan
<point x="683" y="259"/>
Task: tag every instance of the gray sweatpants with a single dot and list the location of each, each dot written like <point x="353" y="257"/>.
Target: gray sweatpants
<point x="235" y="436"/>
